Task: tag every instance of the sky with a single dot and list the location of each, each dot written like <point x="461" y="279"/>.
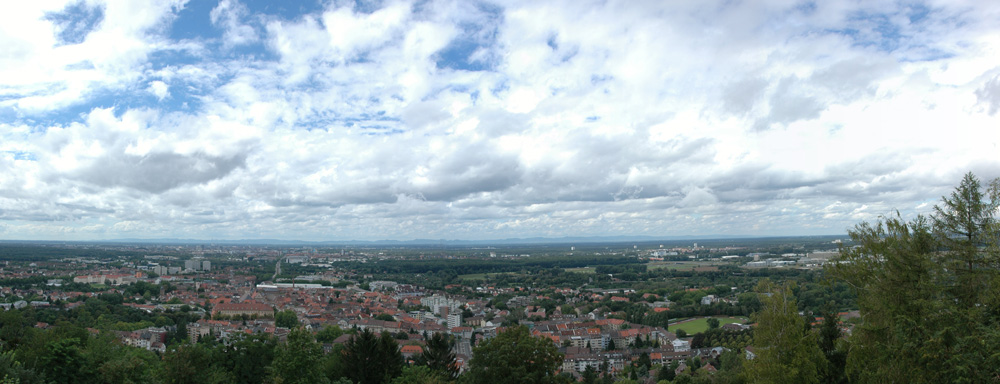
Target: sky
<point x="469" y="120"/>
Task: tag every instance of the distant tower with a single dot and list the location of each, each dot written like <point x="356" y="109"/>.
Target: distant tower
<point x="695" y="246"/>
<point x="572" y="248"/>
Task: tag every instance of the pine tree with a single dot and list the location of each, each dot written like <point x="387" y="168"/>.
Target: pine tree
<point x="371" y="359"/>
<point x="928" y="294"/>
<point x="438" y="355"/>
<point x="965" y="223"/>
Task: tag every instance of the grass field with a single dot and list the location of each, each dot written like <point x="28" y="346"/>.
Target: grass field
<point x="580" y="270"/>
<point x="701" y="325"/>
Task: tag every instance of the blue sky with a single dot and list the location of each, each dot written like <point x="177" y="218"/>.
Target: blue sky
<point x="339" y="120"/>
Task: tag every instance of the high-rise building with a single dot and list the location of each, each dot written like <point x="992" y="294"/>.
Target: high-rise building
<point x="454" y="320"/>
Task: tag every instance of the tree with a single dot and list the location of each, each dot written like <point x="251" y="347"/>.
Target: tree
<point x="419" y="374"/>
<point x="829" y="334"/>
<point x="786" y="351"/>
<point x="371" y="359"/>
<point x="667" y="372"/>
<point x="438" y="356"/>
<point x="13" y="371"/>
<point x="248" y="357"/>
<point x="928" y="294"/>
<point x="589" y="375"/>
<point x="329" y="334"/>
<point x="297" y="361"/>
<point x="713" y="323"/>
<point x="963" y="223"/>
<point x="514" y="356"/>
<point x="190" y="363"/>
<point x="62" y="362"/>
<point x="644" y="361"/>
<point x="286" y="319"/>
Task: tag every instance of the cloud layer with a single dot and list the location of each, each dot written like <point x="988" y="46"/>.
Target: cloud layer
<point x="483" y="120"/>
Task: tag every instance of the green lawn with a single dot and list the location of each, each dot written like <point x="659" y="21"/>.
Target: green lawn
<point x="701" y="325"/>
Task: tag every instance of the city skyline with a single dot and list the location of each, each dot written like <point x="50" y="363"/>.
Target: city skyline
<point x="327" y="121"/>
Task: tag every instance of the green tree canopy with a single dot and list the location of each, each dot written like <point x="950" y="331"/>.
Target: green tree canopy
<point x="786" y="351"/>
<point x="298" y="360"/>
<point x="927" y="293"/>
<point x="368" y="358"/>
<point x="286" y="319"/>
<point x="514" y="356"/>
<point x="438" y="355"/>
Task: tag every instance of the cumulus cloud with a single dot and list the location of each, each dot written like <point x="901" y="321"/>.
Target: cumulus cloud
<point x="159" y="89"/>
<point x="464" y="120"/>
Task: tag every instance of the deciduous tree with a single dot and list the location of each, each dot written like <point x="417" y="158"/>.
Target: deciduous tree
<point x="786" y="351"/>
<point x="514" y="356"/>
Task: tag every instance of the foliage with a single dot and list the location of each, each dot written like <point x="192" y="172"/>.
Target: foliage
<point x="420" y="374"/>
<point x="836" y="358"/>
<point x="713" y="323"/>
<point x="370" y="359"/>
<point x="439" y="357"/>
<point x="786" y="351"/>
<point x="927" y="293"/>
<point x="514" y="356"/>
<point x="297" y="361"/>
<point x="286" y="319"/>
<point x="248" y="357"/>
<point x="329" y="334"/>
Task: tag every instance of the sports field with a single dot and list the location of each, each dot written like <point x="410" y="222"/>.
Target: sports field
<point x="701" y="324"/>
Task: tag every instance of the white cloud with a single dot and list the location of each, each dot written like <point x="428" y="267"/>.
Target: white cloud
<point x="456" y="120"/>
<point x="159" y="89"/>
<point x="229" y="15"/>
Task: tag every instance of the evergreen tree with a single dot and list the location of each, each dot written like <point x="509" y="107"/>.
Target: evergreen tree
<point x="589" y="375"/>
<point x="965" y="223"/>
<point x="371" y="359"/>
<point x="928" y="295"/>
<point x="438" y="355"/>
<point x="829" y="334"/>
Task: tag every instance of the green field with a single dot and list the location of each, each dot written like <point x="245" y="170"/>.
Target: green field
<point x="701" y="325"/>
<point x="580" y="270"/>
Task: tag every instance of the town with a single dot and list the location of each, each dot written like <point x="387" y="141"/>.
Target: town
<point x="617" y="311"/>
